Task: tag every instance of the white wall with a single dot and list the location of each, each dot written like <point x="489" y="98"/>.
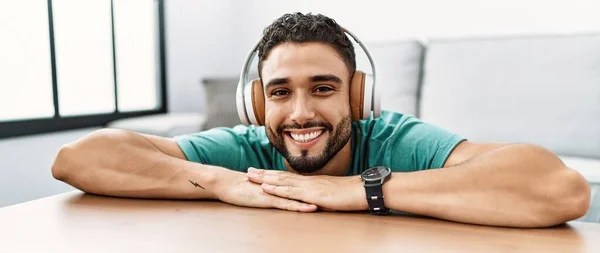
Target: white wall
<point x="200" y="42"/>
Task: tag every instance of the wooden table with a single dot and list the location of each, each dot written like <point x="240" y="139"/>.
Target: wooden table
<point x="77" y="222"/>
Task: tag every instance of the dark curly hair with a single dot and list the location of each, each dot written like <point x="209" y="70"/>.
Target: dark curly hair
<point x="299" y="28"/>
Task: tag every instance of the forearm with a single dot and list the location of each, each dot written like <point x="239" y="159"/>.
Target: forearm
<point x="518" y="185"/>
<point x="126" y="164"/>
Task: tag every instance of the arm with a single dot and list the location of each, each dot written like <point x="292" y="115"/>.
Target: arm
<point x="486" y="184"/>
<point x="493" y="184"/>
<point x="125" y="164"/>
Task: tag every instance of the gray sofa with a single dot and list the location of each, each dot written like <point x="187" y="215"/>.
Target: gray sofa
<point x="537" y="89"/>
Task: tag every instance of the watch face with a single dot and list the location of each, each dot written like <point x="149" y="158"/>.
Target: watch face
<point x="376" y="173"/>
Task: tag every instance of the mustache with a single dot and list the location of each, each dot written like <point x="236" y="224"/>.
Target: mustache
<point x="309" y="124"/>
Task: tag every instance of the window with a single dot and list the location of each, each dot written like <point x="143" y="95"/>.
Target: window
<point x="137" y="57"/>
<point x="25" y="61"/>
<point x="70" y="64"/>
<point x="83" y="56"/>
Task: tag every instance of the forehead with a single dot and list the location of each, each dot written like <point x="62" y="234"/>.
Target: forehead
<point x="300" y="61"/>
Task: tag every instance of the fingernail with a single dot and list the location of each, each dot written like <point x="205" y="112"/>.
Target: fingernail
<point x="310" y="206"/>
<point x="252" y="169"/>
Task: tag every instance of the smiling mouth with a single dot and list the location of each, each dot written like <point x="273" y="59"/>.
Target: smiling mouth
<point x="305" y="136"/>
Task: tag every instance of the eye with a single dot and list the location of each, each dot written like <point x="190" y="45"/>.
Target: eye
<point x="279" y="93"/>
<point x="323" y="89"/>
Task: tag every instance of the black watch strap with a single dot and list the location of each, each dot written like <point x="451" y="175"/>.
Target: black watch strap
<point x="375" y="199"/>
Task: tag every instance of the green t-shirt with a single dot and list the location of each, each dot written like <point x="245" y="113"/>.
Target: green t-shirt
<point x="400" y="142"/>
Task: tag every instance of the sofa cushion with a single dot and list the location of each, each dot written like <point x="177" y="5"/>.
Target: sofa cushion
<point x="219" y="102"/>
<point x="398" y="65"/>
<point x="539" y="89"/>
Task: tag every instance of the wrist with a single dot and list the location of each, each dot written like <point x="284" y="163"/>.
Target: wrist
<point x="374" y="180"/>
<point x="360" y="199"/>
<point x="223" y="179"/>
<point x="203" y="181"/>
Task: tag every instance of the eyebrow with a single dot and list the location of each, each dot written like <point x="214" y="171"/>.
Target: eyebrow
<point x="316" y="78"/>
<point x="277" y="81"/>
<point x="325" y="78"/>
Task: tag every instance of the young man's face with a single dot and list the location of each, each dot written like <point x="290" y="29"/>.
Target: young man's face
<point x="307" y="108"/>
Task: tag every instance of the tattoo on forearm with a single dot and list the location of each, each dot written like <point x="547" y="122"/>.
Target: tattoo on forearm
<point x="196" y="184"/>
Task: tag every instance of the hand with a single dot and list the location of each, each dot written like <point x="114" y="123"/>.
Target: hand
<point x="234" y="188"/>
<point x="327" y="192"/>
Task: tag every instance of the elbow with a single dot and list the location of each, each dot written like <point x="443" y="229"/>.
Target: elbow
<point x="62" y="165"/>
<point x="572" y="196"/>
<point x="578" y="199"/>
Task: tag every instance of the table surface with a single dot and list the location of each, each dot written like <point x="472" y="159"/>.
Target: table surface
<point x="78" y="222"/>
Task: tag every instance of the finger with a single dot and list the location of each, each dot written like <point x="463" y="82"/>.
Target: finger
<point x="279" y="179"/>
<point x="292" y="205"/>
<point x="276" y="173"/>
<point x="255" y="178"/>
<point x="282" y="179"/>
<point x="255" y="175"/>
<point x="288" y="192"/>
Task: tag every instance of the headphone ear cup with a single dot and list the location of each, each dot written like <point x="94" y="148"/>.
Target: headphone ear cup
<point x="363" y="99"/>
<point x="258" y="102"/>
<point x="357" y="95"/>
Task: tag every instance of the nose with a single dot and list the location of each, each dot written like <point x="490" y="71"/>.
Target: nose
<point x="302" y="110"/>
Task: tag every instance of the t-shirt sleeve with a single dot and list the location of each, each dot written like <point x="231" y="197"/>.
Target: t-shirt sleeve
<point x="418" y="145"/>
<point x="231" y="148"/>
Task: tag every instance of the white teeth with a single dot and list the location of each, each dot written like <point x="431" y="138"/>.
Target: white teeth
<point x="306" y="137"/>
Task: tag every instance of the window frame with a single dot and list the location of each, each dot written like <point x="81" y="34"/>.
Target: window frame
<point x="15" y="128"/>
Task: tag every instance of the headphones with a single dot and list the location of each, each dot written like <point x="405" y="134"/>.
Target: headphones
<point x="365" y="97"/>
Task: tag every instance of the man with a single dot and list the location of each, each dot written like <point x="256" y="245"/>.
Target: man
<point x="310" y="154"/>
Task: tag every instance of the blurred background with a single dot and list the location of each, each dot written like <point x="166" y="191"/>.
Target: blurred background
<point x="495" y="70"/>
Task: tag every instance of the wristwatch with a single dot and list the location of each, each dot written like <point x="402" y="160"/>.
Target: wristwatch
<point x="373" y="179"/>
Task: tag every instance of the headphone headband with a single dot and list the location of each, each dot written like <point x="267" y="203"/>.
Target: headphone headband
<point x="241" y="92"/>
<point x="240" y="98"/>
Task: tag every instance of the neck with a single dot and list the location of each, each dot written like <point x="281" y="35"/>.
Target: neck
<point x="337" y="166"/>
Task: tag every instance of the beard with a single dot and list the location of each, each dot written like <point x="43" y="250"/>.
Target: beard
<point x="308" y="164"/>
